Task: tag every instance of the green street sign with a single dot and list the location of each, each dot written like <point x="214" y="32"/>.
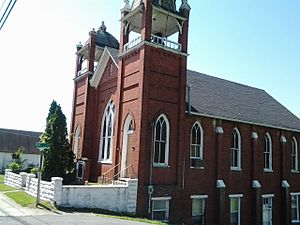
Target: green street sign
<point x="41" y="146"/>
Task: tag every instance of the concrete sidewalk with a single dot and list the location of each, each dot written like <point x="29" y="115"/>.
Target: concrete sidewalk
<point x="10" y="208"/>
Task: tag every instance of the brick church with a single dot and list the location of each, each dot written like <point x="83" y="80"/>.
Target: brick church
<point x="204" y="150"/>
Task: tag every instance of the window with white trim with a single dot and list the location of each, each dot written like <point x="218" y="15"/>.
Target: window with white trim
<point x="268" y="153"/>
<point x="106" y="143"/>
<point x="196" y="147"/>
<point x="160" y="208"/>
<point x="161" y="141"/>
<point x="267" y="207"/>
<point x="235" y="149"/>
<point x="294" y="154"/>
<point x="295" y="207"/>
<point x="80" y="169"/>
<point x="235" y="209"/>
<point x="198" y="209"/>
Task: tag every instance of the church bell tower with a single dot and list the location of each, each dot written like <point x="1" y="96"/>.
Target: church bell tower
<point x="151" y="83"/>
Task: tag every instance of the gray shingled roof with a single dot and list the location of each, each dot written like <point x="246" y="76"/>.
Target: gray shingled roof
<point x="11" y="140"/>
<point x="114" y="53"/>
<point x="224" y="99"/>
<point x="103" y="38"/>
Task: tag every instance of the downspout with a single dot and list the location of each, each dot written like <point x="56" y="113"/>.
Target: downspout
<point x="150" y="187"/>
<point x="189" y="99"/>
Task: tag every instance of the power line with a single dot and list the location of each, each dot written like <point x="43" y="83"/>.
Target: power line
<point x="8" y="13"/>
<point x="2" y="5"/>
<point x="5" y="11"/>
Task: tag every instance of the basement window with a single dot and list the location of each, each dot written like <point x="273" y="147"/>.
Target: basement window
<point x="198" y="209"/>
<point x="160" y="208"/>
<point x="295" y="207"/>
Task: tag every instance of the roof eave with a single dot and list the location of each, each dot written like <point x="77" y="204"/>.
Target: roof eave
<point x="243" y="121"/>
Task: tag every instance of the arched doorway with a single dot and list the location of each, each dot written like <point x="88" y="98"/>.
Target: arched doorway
<point x="127" y="146"/>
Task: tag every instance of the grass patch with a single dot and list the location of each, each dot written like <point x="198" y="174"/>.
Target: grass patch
<point x="110" y="214"/>
<point x="143" y="220"/>
<point x="4" y="188"/>
<point x="1" y="179"/>
<point x="48" y="206"/>
<point x="21" y="198"/>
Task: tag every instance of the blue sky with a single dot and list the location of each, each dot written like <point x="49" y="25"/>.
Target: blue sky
<point x="252" y="42"/>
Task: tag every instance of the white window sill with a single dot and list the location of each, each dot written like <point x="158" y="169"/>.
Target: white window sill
<point x="236" y="169"/>
<point x="268" y="170"/>
<point x="197" y="168"/>
<point x="295" y="171"/>
<point x="161" y="166"/>
<point x="105" y="162"/>
<point x="295" y="221"/>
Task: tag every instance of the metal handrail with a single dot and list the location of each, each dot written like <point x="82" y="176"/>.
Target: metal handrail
<point x="118" y="175"/>
<point x="107" y="177"/>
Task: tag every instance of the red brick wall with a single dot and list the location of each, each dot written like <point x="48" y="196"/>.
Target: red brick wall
<point x="151" y="81"/>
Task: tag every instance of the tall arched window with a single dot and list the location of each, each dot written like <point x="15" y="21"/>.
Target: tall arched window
<point x="294" y="154"/>
<point x="196" y="146"/>
<point x="76" y="141"/>
<point x="161" y="141"/>
<point x="236" y="149"/>
<point x="268" y="153"/>
<point x="107" y="130"/>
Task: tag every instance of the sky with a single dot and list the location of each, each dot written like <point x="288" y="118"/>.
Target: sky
<point x="253" y="42"/>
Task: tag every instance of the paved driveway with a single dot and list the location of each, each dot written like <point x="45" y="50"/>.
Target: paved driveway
<point x="12" y="214"/>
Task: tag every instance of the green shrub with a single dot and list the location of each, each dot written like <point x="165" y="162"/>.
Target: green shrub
<point x="14" y="166"/>
<point x="34" y="170"/>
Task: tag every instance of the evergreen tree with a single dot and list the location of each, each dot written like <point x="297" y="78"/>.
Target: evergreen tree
<point x="59" y="159"/>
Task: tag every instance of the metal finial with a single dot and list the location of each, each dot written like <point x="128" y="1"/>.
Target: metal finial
<point x="126" y="6"/>
<point x="103" y="27"/>
<point x="185" y="5"/>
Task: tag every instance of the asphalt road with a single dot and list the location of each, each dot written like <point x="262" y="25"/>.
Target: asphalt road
<point x="13" y="214"/>
<point x="63" y="220"/>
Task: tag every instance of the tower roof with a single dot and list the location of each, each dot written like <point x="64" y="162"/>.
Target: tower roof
<point x="103" y="38"/>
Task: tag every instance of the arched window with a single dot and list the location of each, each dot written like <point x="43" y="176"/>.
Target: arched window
<point x="161" y="141"/>
<point x="196" y="146"/>
<point x="236" y="149"/>
<point x="106" y="143"/>
<point x="76" y="141"/>
<point x="268" y="153"/>
<point x="294" y="154"/>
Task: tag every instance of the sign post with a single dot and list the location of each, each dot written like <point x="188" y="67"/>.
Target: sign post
<point x="41" y="147"/>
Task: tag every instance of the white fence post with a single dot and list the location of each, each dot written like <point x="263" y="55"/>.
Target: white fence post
<point x="28" y="180"/>
<point x="58" y="186"/>
<point x="132" y="195"/>
<point x="24" y="178"/>
<point x="6" y="175"/>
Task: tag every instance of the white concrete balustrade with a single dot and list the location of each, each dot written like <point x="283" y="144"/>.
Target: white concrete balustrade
<point x="119" y="198"/>
<point x="161" y="41"/>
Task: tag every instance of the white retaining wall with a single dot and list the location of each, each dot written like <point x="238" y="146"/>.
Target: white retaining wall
<point x="119" y="198"/>
<point x="13" y="179"/>
<point x="47" y="188"/>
